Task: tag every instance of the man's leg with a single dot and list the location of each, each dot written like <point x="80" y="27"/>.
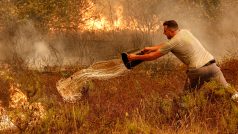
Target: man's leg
<point x="219" y="77"/>
<point x="195" y="80"/>
<point x="205" y="74"/>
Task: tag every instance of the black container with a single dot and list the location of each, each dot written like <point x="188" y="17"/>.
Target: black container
<point x="130" y="64"/>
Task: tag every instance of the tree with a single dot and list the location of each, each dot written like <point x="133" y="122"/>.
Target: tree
<point x="54" y="14"/>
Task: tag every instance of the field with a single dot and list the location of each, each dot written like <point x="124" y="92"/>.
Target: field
<point x="148" y="99"/>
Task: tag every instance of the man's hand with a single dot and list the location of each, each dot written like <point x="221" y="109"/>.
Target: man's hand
<point x="146" y="50"/>
<point x="131" y="57"/>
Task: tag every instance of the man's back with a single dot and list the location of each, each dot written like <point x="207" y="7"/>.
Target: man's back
<point x="188" y="49"/>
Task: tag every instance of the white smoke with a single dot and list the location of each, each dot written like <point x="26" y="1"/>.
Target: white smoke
<point x="25" y="42"/>
<point x="40" y="56"/>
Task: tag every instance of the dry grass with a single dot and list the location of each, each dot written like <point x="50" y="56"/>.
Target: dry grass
<point x="149" y="99"/>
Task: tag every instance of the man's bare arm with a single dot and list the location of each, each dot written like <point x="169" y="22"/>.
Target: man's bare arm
<point x="146" y="57"/>
<point x="150" y="49"/>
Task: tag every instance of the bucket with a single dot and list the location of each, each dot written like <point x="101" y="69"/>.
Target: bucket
<point x="131" y="64"/>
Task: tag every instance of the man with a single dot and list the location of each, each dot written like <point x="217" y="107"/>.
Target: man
<point x="201" y="64"/>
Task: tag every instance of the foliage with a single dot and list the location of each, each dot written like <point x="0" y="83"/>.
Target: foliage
<point x="135" y="103"/>
<point x="54" y="13"/>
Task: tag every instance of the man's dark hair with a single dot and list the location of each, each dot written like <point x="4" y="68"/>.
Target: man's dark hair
<point x="171" y="24"/>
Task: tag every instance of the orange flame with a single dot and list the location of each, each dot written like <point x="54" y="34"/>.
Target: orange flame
<point x="117" y="22"/>
<point x="103" y="23"/>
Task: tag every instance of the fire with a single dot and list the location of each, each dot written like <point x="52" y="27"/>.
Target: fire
<point x="104" y="23"/>
<point x="120" y="22"/>
<point x="97" y="21"/>
<point x="96" y="24"/>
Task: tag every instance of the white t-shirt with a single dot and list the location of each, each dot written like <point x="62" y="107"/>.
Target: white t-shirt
<point x="188" y="49"/>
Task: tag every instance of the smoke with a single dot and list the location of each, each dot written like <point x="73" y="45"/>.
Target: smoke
<point x="212" y="22"/>
<point x="41" y="55"/>
<point x="23" y="42"/>
<point x="228" y="27"/>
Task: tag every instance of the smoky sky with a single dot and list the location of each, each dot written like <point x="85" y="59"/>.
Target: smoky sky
<point x="214" y="23"/>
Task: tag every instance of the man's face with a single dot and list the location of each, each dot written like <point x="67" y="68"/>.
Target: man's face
<point x="168" y="32"/>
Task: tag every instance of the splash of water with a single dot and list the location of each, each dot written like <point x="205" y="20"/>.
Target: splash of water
<point x="71" y="88"/>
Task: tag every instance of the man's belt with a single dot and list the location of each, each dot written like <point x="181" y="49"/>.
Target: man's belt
<point x="209" y="63"/>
